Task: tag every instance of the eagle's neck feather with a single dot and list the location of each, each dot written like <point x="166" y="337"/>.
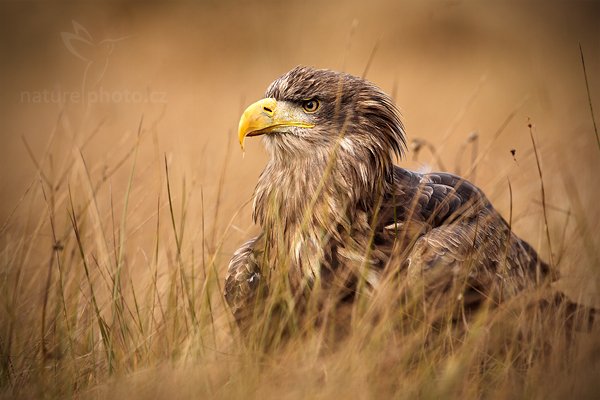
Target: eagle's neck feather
<point x="307" y="206"/>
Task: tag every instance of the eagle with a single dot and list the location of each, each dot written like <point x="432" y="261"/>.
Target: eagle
<point x="335" y="211"/>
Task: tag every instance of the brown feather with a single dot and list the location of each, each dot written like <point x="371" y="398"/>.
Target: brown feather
<point x="330" y="202"/>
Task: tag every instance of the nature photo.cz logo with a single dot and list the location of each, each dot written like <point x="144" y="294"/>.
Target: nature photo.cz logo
<point x="95" y="56"/>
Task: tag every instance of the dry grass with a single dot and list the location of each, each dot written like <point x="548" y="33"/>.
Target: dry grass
<point x="97" y="324"/>
<point x="112" y="258"/>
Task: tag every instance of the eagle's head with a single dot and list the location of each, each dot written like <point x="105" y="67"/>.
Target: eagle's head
<point x="332" y="138"/>
<point x="309" y="112"/>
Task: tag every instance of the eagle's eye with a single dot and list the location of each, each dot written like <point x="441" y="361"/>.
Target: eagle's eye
<point x="310" y="105"/>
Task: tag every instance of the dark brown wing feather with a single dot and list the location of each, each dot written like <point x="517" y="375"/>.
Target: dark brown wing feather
<point x="459" y="236"/>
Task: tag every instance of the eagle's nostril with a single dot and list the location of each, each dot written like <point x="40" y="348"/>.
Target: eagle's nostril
<point x="267" y="109"/>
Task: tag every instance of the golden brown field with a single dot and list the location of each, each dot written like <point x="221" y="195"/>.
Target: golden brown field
<point x="124" y="191"/>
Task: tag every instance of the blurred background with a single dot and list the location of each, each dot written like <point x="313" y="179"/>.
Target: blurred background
<point x="77" y="79"/>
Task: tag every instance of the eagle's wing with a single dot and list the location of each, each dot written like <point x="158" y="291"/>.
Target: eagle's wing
<point x="459" y="237"/>
<point x="242" y="281"/>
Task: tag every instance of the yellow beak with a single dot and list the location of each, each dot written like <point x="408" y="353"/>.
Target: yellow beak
<point x="267" y="114"/>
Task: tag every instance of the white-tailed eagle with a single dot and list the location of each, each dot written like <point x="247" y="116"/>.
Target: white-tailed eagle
<point x="335" y="211"/>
